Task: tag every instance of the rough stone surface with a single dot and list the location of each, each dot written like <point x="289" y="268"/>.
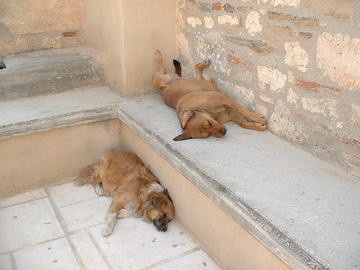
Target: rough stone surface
<point x="272" y="78"/>
<point x="296" y="56"/>
<point x="252" y="23"/>
<point x="301" y="55"/>
<point x="338" y="57"/>
<point x="48" y="71"/>
<point x="292" y="3"/>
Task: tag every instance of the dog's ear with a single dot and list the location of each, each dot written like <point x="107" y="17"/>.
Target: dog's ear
<point x="181" y="137"/>
<point x="166" y="192"/>
<point x="184" y="117"/>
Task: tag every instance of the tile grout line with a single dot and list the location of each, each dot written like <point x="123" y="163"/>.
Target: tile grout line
<point x="33" y="245"/>
<point x="73" y="203"/>
<point x="169" y="259"/>
<point x="65" y="229"/>
<point x="16" y="204"/>
<point x="13" y="262"/>
<point x="102" y="254"/>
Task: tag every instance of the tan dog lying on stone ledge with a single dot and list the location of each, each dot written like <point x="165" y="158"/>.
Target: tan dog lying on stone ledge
<point x="133" y="188"/>
<point x="201" y="107"/>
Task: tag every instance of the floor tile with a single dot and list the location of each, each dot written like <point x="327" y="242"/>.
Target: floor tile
<point x="136" y="244"/>
<point x="195" y="261"/>
<point x="23" y="197"/>
<point x="5" y="262"/>
<point x="84" y="214"/>
<point x="27" y="224"/>
<point x="89" y="255"/>
<point x="68" y="193"/>
<point x="54" y="255"/>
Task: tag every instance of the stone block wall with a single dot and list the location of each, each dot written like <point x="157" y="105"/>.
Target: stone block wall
<point x="295" y="61"/>
<point x="27" y="25"/>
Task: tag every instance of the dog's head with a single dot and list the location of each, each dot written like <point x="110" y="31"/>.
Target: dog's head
<point x="159" y="210"/>
<point x="199" y="124"/>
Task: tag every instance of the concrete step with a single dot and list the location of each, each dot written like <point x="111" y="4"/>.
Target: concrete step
<point x="76" y="106"/>
<point x="48" y="71"/>
<point x="302" y="209"/>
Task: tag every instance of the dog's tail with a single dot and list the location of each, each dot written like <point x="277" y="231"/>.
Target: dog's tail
<point x="177" y="66"/>
<point x="87" y="175"/>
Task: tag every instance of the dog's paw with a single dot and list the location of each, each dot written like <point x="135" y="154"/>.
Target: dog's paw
<point x="106" y="232"/>
<point x="100" y="191"/>
<point x="203" y="64"/>
<point x="258" y="118"/>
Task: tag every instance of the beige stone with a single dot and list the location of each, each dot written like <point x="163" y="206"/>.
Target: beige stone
<point x="183" y="45"/>
<point x="51" y="43"/>
<point x="291" y="3"/>
<point x="325" y="107"/>
<point x="267" y="99"/>
<point x="261" y="109"/>
<point x="228" y="19"/>
<point x="337" y="8"/>
<point x="194" y="21"/>
<point x="339" y="58"/>
<point x="29" y="17"/>
<point x="292" y="97"/>
<point x="355" y="114"/>
<point x="180" y="20"/>
<point x="14" y="45"/>
<point x="283" y="125"/>
<point x="296" y="56"/>
<point x="252" y="23"/>
<point x="209" y="22"/>
<point x="271" y="78"/>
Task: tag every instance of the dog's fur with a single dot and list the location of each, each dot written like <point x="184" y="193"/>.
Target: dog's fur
<point x="201" y="107"/>
<point x="133" y="188"/>
<point x="2" y="65"/>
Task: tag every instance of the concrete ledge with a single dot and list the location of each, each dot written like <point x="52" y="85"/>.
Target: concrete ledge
<point x="304" y="210"/>
<point x="29" y="115"/>
<point x="48" y="71"/>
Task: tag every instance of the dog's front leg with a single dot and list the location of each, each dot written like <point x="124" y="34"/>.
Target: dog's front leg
<point x="100" y="191"/>
<point x="111" y="217"/>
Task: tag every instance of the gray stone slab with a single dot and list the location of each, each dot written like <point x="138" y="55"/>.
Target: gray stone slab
<point x="304" y="210"/>
<point x="41" y="113"/>
<point x="48" y="71"/>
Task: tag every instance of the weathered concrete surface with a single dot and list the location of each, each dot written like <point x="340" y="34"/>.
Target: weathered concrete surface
<point x="298" y="60"/>
<point x="48" y="71"/>
<point x="29" y="115"/>
<point x="303" y="209"/>
<point x="26" y="25"/>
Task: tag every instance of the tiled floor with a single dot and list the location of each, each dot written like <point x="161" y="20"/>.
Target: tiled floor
<point x="59" y="228"/>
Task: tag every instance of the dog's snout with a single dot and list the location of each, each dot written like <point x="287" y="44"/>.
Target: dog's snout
<point x="161" y="226"/>
<point x="223" y="131"/>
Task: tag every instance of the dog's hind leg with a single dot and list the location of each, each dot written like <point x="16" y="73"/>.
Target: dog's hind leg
<point x="199" y="69"/>
<point x="159" y="60"/>
<point x="111" y="217"/>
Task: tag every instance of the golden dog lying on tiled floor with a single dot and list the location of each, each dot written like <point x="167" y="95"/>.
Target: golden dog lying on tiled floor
<point x="133" y="188"/>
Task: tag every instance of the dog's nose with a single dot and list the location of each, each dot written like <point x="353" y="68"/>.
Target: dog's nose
<point x="223" y="131"/>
